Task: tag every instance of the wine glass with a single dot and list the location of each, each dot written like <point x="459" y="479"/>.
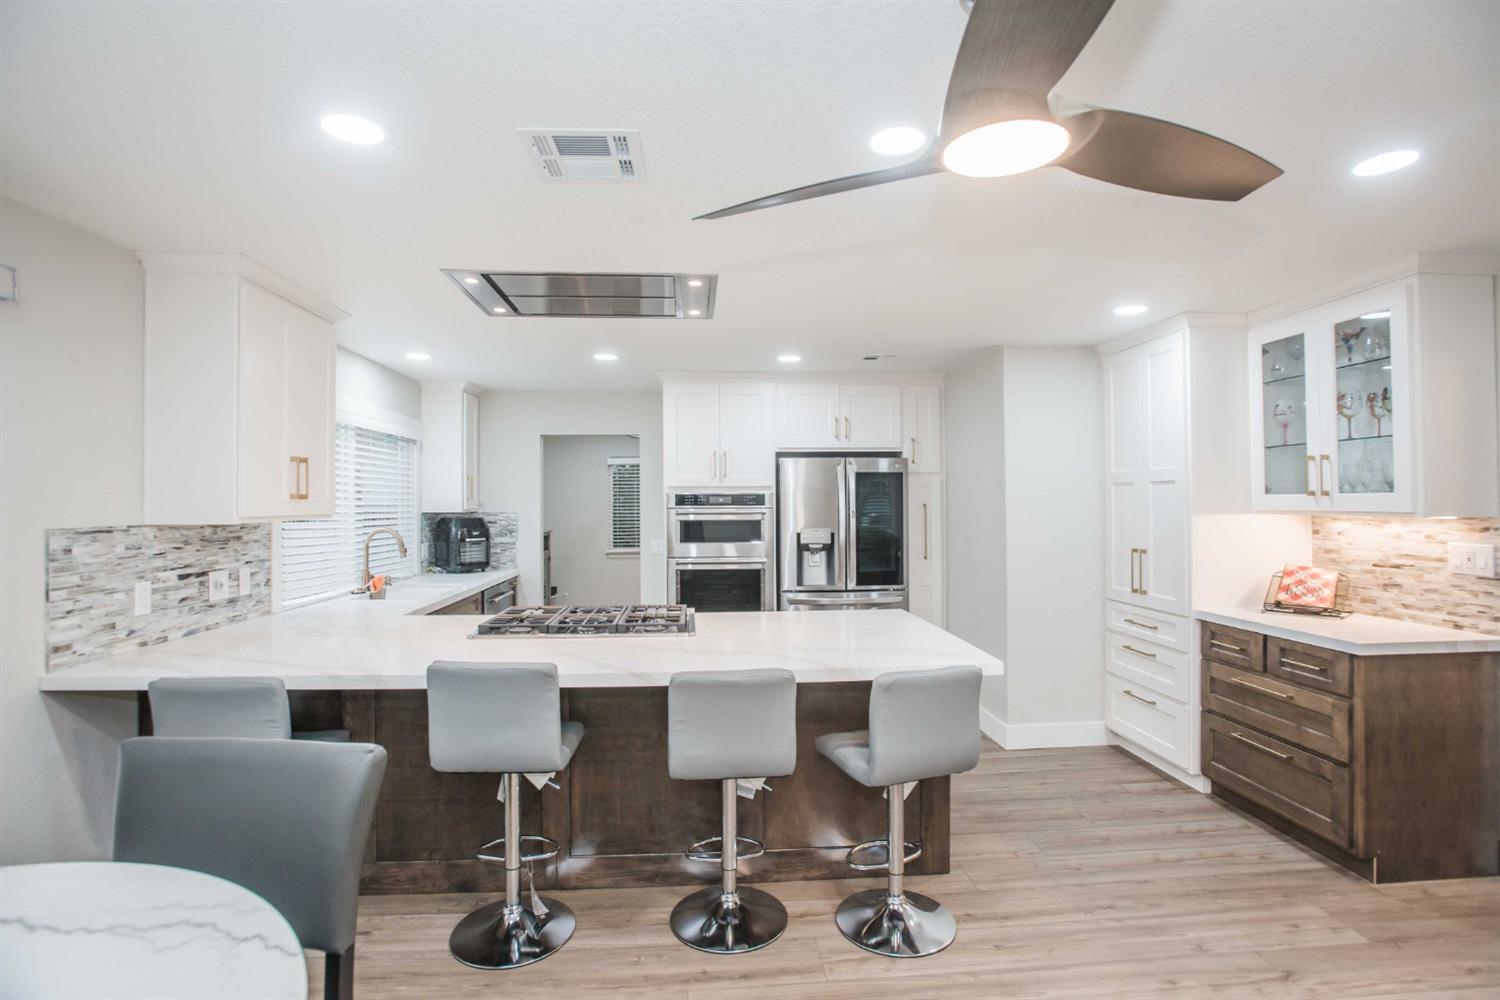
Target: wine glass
<point x="1349" y="338"/>
<point x="1348" y="407"/>
<point x="1282" y="414"/>
<point x="1372" y="403"/>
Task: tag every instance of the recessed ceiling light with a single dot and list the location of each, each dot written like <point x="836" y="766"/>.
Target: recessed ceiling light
<point x="695" y="312"/>
<point x="499" y="309"/>
<point x="789" y="359"/>
<point x="898" y="139"/>
<point x="695" y="282"/>
<point x="471" y="281"/>
<point x="418" y="356"/>
<point x="1004" y="148"/>
<point x="605" y="356"/>
<point x="352" y="128"/>
<point x="1378" y="314"/>
<point x="1130" y="310"/>
<point x="1385" y="163"/>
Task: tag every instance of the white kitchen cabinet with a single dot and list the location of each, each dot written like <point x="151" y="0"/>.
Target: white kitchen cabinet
<point x="922" y="427"/>
<point x="809" y="415"/>
<point x="718" y="435"/>
<point x="1379" y="401"/>
<point x="871" y="416"/>
<point x="924" y="547"/>
<point x="239" y="393"/>
<point x="450" y="447"/>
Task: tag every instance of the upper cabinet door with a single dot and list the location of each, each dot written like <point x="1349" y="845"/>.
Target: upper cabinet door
<point x="808" y="416"/>
<point x="690" y="434"/>
<point x="1365" y="462"/>
<point x="871" y="416"/>
<point x="747" y="434"/>
<point x="269" y="471"/>
<point x="470" y="482"/>
<point x="922" y="427"/>
<point x="310" y="363"/>
<point x="1286" y="423"/>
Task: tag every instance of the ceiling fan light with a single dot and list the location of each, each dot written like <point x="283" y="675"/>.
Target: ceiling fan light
<point x="1004" y="148"/>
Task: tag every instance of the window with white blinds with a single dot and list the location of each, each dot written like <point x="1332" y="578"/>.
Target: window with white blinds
<point x="624" y="504"/>
<point x="375" y="486"/>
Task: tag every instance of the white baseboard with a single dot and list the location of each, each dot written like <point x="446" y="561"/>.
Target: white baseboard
<point x="1041" y="735"/>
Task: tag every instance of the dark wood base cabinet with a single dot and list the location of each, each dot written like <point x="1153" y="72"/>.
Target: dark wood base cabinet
<point x="620" y="820"/>
<point x="1389" y="765"/>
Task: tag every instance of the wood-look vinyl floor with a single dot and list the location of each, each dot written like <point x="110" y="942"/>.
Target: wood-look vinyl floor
<point x="1076" y="873"/>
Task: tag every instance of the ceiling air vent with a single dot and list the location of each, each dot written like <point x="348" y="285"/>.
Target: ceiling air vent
<point x="521" y="293"/>
<point x="571" y="154"/>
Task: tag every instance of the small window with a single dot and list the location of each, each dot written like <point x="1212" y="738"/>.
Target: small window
<point x="374" y="486"/>
<point x="625" y="504"/>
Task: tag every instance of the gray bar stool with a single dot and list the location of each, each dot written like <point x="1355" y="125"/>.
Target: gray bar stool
<point x="723" y="725"/>
<point x="923" y="724"/>
<point x="228" y="707"/>
<point x="503" y="717"/>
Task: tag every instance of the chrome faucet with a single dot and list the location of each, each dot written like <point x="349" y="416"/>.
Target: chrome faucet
<point x="400" y="544"/>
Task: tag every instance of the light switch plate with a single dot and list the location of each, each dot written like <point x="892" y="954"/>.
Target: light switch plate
<point x="142" y="597"/>
<point x="1471" y="559"/>
<point x="218" y="585"/>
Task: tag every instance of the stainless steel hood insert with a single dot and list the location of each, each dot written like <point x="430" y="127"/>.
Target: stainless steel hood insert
<point x="516" y="293"/>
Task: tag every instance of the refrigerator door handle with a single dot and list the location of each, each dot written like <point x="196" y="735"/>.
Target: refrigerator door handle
<point x="843" y="541"/>
<point x="851" y="530"/>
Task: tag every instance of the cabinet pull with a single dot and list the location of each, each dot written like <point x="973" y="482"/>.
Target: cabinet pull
<point x="1259" y="746"/>
<point x="924" y="532"/>
<point x="1137" y="652"/>
<point x="1132" y="621"/>
<point x="1263" y="690"/>
<point x="301" y="478"/>
<point x="1299" y="663"/>
<point x="1131" y="694"/>
<point x="914" y="452"/>
<point x="1221" y="644"/>
<point x="1312" y="460"/>
<point x="835" y="427"/>
<point x="1321" y="488"/>
<point x="1133" y="588"/>
<point x="846" y="429"/>
<point x="713" y="465"/>
<point x="1143" y="572"/>
<point x="725" y="474"/>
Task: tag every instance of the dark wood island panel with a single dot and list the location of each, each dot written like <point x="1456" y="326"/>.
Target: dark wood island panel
<point x="620" y="820"/>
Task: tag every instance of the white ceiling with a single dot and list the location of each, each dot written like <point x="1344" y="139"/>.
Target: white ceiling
<point x="173" y="126"/>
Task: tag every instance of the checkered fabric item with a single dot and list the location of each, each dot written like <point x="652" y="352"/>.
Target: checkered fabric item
<point x="1308" y="587"/>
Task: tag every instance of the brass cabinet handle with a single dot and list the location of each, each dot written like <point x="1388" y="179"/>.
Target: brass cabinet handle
<point x="1312" y="460"/>
<point x="1261" y="747"/>
<point x="835" y="426"/>
<point x="914" y="452"/>
<point x="1132" y="621"/>
<point x="1131" y="694"/>
<point x="1263" y="690"/>
<point x="1133" y="588"/>
<point x="1299" y="663"/>
<point x="1137" y="652"/>
<point x="847" y="435"/>
<point x="1220" y="643"/>
<point x="924" y="532"/>
<point x="301" y="477"/>
<point x="1143" y="572"/>
<point x="1321" y="488"/>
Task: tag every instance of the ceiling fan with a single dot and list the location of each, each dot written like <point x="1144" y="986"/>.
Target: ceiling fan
<point x="1000" y="118"/>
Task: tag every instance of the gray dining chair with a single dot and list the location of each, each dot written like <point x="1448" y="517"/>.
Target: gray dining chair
<point x="247" y="707"/>
<point x="288" y="820"/>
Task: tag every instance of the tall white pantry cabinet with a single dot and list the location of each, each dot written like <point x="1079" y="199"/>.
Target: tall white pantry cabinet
<point x="239" y="392"/>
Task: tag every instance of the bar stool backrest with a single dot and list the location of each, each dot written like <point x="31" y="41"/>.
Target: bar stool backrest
<point x="242" y="707"/>
<point x="923" y="724"/>
<point x="494" y="717"/>
<point x="731" y="724"/>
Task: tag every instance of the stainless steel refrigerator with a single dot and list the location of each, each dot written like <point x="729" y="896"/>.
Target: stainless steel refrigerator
<point x="840" y="532"/>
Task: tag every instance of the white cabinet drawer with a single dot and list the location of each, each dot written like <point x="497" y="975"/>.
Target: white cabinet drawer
<point x="1167" y="630"/>
<point x="1163" y="670"/>
<point x="1148" y="719"/>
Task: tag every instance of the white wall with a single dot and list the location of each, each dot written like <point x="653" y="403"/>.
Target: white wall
<point x="973" y="441"/>
<point x="71" y="421"/>
<point x="511" y="427"/>
<point x="576" y="504"/>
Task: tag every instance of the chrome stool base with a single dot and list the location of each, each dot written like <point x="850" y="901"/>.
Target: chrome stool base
<point x="723" y="923"/>
<point x="502" y="936"/>
<point x="910" y="925"/>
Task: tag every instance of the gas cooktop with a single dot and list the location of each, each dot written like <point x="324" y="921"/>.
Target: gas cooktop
<point x="590" y="619"/>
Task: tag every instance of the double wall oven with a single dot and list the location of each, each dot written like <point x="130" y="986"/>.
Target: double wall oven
<point x="719" y="551"/>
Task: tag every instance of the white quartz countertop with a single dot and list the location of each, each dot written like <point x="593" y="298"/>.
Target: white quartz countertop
<point x="354" y="643"/>
<point x="1360" y="635"/>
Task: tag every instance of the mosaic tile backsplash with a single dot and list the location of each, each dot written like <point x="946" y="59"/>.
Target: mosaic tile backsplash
<point x="1398" y="568"/>
<point x="502" y="538"/>
<point x="92" y="572"/>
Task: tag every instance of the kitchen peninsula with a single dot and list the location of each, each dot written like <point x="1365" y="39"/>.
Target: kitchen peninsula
<point x="360" y="665"/>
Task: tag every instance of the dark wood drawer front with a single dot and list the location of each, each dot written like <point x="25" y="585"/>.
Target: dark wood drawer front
<point x="1233" y="646"/>
<point x="1314" y="721"/>
<point x="1310" y="666"/>
<point x="1304" y="788"/>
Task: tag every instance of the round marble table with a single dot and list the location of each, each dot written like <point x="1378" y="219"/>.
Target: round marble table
<point x="101" y="930"/>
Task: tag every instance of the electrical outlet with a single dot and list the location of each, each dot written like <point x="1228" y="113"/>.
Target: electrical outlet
<point x="1471" y="559"/>
<point x="142" y="597"/>
<point x="247" y="580"/>
<point x="218" y="585"/>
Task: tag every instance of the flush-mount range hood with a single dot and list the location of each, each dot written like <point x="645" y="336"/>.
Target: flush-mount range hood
<point x="515" y="293"/>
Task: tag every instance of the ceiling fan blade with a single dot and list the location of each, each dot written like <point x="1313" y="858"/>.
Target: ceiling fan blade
<point x="1149" y="154"/>
<point x="1012" y="54"/>
<point x="917" y="168"/>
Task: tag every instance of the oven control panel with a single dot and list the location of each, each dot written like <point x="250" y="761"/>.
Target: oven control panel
<point x="720" y="500"/>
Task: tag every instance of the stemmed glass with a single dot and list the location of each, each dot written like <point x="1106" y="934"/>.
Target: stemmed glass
<point x="1348" y="407"/>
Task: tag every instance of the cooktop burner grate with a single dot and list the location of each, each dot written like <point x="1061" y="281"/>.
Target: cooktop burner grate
<point x="584" y="619"/>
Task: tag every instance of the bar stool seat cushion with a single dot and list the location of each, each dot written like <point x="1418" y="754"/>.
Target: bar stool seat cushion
<point x="220" y="707"/>
<point x="850" y="752"/>
<point x="725" y="724"/>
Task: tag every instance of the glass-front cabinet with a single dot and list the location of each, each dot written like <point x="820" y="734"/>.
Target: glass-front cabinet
<point x="1330" y="430"/>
